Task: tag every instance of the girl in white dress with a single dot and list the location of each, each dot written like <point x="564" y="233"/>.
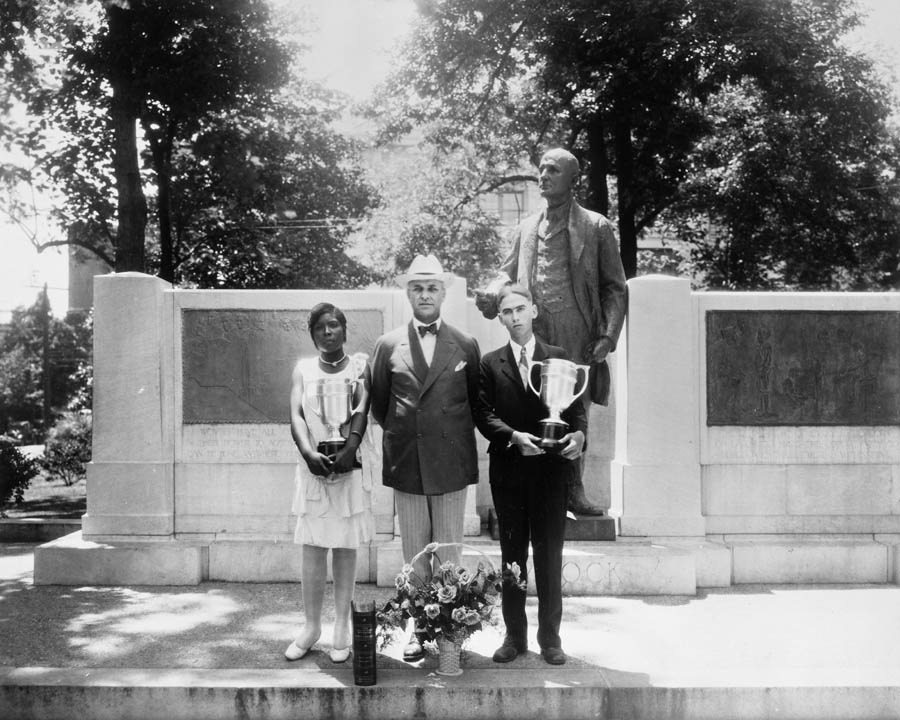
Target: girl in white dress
<point x="333" y="495"/>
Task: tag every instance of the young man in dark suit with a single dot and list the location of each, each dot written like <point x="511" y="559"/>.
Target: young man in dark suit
<point x="529" y="486"/>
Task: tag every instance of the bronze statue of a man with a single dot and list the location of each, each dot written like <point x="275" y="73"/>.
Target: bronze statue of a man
<point x="569" y="258"/>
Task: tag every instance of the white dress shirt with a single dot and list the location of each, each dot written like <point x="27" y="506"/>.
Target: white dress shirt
<point x="427" y="341"/>
<point x="529" y="353"/>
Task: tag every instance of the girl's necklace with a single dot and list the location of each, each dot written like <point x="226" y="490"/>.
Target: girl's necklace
<point x="332" y="364"/>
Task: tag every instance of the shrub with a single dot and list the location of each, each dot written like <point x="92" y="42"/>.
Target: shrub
<point x="16" y="472"/>
<point x="68" y="447"/>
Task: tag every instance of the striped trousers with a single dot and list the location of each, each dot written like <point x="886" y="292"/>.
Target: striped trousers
<point x="430" y="518"/>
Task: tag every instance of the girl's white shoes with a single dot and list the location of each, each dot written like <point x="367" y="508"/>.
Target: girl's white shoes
<point x="339" y="656"/>
<point x="295" y="652"/>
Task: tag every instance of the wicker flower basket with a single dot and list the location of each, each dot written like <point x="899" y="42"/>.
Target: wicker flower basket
<point x="448" y="657"/>
<point x="446" y="607"/>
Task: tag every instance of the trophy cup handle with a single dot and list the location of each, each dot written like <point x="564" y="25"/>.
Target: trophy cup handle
<point x="587" y="376"/>
<point x="309" y="393"/>
<point x="353" y="385"/>
<point x="531" y="365"/>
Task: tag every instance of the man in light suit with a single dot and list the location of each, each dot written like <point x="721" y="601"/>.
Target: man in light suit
<point x="529" y="487"/>
<point x="424" y="386"/>
<point x="568" y="257"/>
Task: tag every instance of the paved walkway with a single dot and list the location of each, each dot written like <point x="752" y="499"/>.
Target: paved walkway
<point x="836" y="648"/>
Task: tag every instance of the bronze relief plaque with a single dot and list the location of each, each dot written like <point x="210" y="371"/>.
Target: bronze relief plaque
<point x="802" y="367"/>
<point x="237" y="364"/>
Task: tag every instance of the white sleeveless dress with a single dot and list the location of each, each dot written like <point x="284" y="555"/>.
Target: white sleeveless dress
<point x="334" y="514"/>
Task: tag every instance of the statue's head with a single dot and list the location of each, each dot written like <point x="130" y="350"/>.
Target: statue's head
<point x="559" y="171"/>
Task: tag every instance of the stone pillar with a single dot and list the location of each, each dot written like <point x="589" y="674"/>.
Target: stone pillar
<point x="656" y="487"/>
<point x="130" y="480"/>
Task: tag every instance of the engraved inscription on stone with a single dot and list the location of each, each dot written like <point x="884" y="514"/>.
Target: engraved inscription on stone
<point x="238" y="443"/>
<point x="802" y="368"/>
<point x="237" y="363"/>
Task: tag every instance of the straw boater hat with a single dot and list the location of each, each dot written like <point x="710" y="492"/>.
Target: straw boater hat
<point x="425" y="267"/>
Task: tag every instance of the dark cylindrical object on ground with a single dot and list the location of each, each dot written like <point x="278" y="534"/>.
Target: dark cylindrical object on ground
<point x="364" y="642"/>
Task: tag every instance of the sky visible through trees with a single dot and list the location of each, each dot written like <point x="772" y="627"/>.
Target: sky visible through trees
<point x="350" y="51"/>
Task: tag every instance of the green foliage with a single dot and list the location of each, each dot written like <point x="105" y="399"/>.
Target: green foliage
<point x="67" y="449"/>
<point x="637" y="89"/>
<point x="269" y="199"/>
<point x="21" y="394"/>
<point x="793" y="201"/>
<point x="231" y="140"/>
<point x="16" y="472"/>
<point x="430" y="205"/>
<point x="22" y="362"/>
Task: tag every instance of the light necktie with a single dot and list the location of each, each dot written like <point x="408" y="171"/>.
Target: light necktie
<point x="523" y="366"/>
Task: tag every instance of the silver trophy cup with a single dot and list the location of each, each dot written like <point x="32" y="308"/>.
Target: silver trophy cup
<point x="557" y="391"/>
<point x="332" y="401"/>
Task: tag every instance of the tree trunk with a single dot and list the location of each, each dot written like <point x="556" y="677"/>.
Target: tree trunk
<point x="46" y="404"/>
<point x="598" y="168"/>
<point x="131" y="205"/>
<point x="162" y="161"/>
<point x="625" y="186"/>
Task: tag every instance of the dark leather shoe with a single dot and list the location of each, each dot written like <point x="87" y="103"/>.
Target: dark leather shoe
<point x="413" y="651"/>
<point x="578" y="501"/>
<point x="553" y="655"/>
<point x="509" y="651"/>
<point x="586" y="509"/>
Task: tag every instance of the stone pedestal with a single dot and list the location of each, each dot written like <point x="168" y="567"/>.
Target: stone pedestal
<point x="130" y="481"/>
<point x="656" y="488"/>
<point x="582" y="527"/>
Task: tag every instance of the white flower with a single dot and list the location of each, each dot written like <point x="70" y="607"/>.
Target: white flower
<point x="432" y="610"/>
<point x="446" y="593"/>
<point x="458" y="615"/>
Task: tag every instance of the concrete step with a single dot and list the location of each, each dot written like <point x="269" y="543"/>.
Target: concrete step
<point x="36" y="529"/>
<point x="589" y="568"/>
<point x="628" y="566"/>
<point x="812" y="558"/>
<point x="215" y="651"/>
<point x="485" y="694"/>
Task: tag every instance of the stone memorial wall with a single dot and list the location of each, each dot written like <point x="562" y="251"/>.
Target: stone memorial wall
<point x="747" y="432"/>
<point x="237" y="363"/>
<point x="749" y="413"/>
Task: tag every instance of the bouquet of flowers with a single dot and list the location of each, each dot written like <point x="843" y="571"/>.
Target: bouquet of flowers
<point x="455" y="603"/>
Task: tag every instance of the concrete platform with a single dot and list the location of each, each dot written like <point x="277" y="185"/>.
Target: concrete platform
<point x="37" y="529"/>
<point x="214" y="651"/>
<point x="627" y="566"/>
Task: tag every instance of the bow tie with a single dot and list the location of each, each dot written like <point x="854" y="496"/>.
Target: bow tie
<point x="425" y="329"/>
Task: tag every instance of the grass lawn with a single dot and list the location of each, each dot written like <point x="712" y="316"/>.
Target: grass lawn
<point x="50" y="498"/>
